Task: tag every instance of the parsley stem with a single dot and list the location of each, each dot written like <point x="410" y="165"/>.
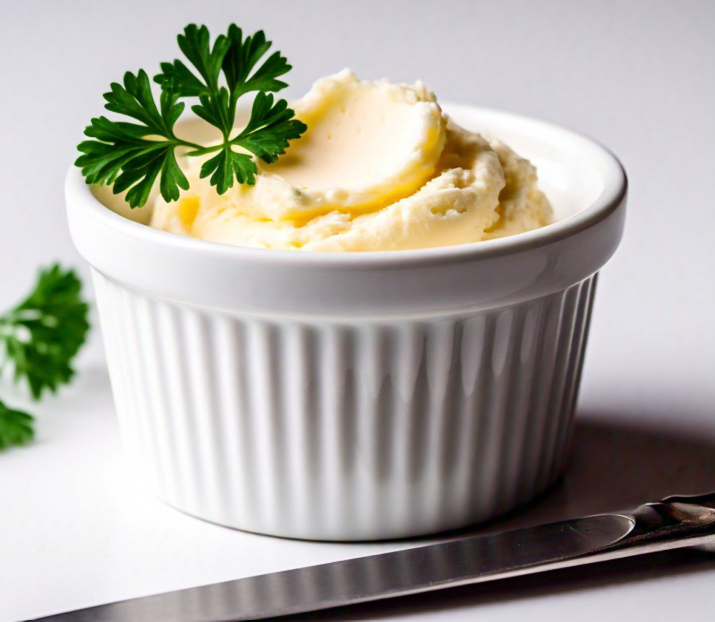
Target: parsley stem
<point x="184" y="143"/>
<point x="199" y="151"/>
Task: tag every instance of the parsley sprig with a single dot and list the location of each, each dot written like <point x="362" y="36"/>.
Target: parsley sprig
<point x="39" y="338"/>
<point x="132" y="156"/>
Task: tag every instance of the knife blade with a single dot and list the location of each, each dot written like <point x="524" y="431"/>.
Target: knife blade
<point x="672" y="523"/>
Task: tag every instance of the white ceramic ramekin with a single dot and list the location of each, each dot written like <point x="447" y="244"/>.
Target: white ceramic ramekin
<point x="356" y="396"/>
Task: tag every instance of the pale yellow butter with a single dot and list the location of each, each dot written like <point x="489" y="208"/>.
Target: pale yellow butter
<point x="380" y="168"/>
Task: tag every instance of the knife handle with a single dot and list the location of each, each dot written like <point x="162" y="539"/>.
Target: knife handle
<point x="707" y="500"/>
<point x="675" y="522"/>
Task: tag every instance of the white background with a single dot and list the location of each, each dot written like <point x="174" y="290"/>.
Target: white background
<point x="638" y="76"/>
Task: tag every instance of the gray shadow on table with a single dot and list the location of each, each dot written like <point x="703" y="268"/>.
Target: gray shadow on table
<point x="612" y="467"/>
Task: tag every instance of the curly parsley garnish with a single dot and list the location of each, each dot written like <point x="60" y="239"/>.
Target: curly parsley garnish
<point x="132" y="156"/>
<point x="38" y="340"/>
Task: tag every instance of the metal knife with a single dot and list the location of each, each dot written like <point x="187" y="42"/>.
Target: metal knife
<point x="674" y="522"/>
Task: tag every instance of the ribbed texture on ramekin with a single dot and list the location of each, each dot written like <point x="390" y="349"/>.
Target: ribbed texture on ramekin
<point x="345" y="431"/>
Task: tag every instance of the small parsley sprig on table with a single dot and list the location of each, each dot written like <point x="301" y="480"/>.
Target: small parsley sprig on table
<point x="39" y="338"/>
<point x="132" y="156"/>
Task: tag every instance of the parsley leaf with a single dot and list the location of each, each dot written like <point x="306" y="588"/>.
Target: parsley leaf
<point x="269" y="128"/>
<point x="132" y="156"/>
<point x="241" y="58"/>
<point x="227" y="164"/>
<point x="123" y="153"/>
<point x="15" y="427"/>
<point x="266" y="135"/>
<point x="41" y="335"/>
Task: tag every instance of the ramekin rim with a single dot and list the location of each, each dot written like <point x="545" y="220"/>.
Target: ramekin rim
<point x="609" y="199"/>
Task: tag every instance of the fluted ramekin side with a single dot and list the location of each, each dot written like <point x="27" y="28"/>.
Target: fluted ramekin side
<point x="330" y="429"/>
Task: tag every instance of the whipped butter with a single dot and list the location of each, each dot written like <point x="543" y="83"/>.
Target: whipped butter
<point x="381" y="167"/>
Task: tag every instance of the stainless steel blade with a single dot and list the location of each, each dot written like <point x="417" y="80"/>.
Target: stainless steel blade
<point x="366" y="578"/>
<point x="672" y="523"/>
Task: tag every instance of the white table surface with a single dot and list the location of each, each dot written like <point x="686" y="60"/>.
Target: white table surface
<point x="76" y="526"/>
